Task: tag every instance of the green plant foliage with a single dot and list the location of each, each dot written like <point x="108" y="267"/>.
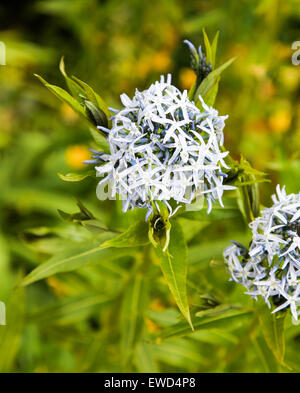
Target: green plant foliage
<point x="173" y="262"/>
<point x="132" y="316"/>
<point x="135" y="236"/>
<point x="209" y="86"/>
<point x="273" y="331"/>
<point x="218" y="318"/>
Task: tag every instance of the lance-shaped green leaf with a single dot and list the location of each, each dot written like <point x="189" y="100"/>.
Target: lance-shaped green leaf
<point x="199" y="63"/>
<point x="211" y="96"/>
<point x="180" y="353"/>
<point x="210" y="81"/>
<point x="82" y="215"/>
<point x="84" y="101"/>
<point x="93" y="97"/>
<point x="135" y="236"/>
<point x="266" y="356"/>
<point x="247" y="179"/>
<point x="82" y="92"/>
<point x="214" y="50"/>
<point x="71" y="310"/>
<point x="65" y="97"/>
<point x="76" y="90"/>
<point x="87" y="220"/>
<point x="132" y="316"/>
<point x="247" y="207"/>
<point x="74" y="258"/>
<point x="272" y="326"/>
<point x="95" y="114"/>
<point x="75" y="177"/>
<point x="207" y="47"/>
<point x="220" y="317"/>
<point x="164" y="318"/>
<point x="211" y="49"/>
<point x="95" y="226"/>
<point x="145" y="358"/>
<point x="174" y="265"/>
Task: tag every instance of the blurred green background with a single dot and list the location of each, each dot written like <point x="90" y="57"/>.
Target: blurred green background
<point x="66" y="323"/>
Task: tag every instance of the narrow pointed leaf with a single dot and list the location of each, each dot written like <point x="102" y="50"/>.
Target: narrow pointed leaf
<point x="132" y="317"/>
<point x="135" y="236"/>
<point x="218" y="318"/>
<point x="211" y="80"/>
<point x="94" y="97"/>
<point x="272" y="326"/>
<point x="210" y="97"/>
<point x="74" y="258"/>
<point x="207" y="47"/>
<point x="64" y="96"/>
<point x="145" y="358"/>
<point x="76" y="90"/>
<point x="174" y="264"/>
<point x="214" y="50"/>
<point x="266" y="356"/>
<point x="71" y="310"/>
<point x="74" y="177"/>
<point x="95" y="114"/>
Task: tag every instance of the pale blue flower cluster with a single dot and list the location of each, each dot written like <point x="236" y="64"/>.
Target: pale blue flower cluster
<point x="271" y="266"/>
<point x="162" y="148"/>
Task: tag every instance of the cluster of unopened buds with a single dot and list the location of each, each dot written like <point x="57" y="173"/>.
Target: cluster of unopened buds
<point x="271" y="266"/>
<point x="162" y="148"/>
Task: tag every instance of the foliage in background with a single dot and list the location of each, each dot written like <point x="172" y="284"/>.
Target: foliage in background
<point x="78" y="320"/>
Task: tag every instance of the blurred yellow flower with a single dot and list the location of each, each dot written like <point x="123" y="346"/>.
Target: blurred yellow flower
<point x="170" y="37"/>
<point x="75" y="155"/>
<point x="7" y="117"/>
<point x="157" y="305"/>
<point x="68" y="114"/>
<point x="57" y="286"/>
<point x="142" y="67"/>
<point x="186" y="78"/>
<point x="289" y="76"/>
<point x="267" y="89"/>
<point x="256" y="126"/>
<point x="280" y="121"/>
<point x="282" y="51"/>
<point x="258" y="70"/>
<point x="151" y="326"/>
<point x="161" y="61"/>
